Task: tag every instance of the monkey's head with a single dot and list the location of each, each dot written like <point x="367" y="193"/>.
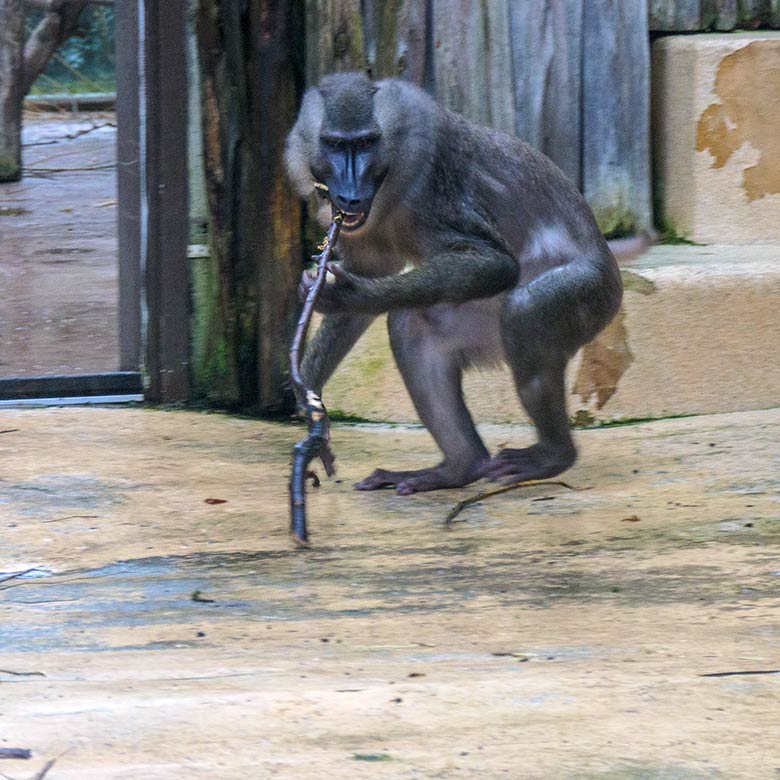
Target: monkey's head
<point x="336" y="146"/>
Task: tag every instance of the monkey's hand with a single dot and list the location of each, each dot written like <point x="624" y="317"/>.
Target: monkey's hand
<point x="335" y="296"/>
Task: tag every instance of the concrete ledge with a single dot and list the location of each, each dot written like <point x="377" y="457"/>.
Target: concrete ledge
<point x="699" y="333"/>
<point x="716" y="112"/>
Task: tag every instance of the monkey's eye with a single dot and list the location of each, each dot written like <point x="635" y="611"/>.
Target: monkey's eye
<point x="334" y="144"/>
<point x="362" y="144"/>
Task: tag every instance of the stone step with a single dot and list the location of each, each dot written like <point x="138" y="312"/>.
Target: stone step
<point x="699" y="333"/>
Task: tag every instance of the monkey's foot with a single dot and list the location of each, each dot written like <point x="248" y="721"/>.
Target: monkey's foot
<point x="408" y="482"/>
<point x="541" y="461"/>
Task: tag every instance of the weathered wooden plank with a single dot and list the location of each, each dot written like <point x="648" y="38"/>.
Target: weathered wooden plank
<point x="719" y="14"/>
<point x="671" y="15"/>
<point x="11" y="65"/>
<point x="245" y="294"/>
<point x="757" y="13"/>
<point x="472" y="61"/>
<point x="334" y="37"/>
<point x="616" y="109"/>
<point x="396" y="35"/>
<point x="546" y="44"/>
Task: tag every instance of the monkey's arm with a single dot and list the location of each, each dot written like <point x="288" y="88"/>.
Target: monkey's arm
<point x="336" y="335"/>
<point x="473" y="270"/>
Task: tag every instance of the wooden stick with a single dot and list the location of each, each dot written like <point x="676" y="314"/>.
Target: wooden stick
<point x="317" y="441"/>
<point x="461" y="505"/>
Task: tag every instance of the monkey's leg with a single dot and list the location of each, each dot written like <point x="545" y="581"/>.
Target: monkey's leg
<point x="543" y="325"/>
<point x="335" y="336"/>
<point x="432" y="373"/>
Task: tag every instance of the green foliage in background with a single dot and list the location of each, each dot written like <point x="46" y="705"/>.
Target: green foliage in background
<point x="85" y="62"/>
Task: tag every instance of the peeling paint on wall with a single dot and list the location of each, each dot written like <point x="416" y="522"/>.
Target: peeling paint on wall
<point x="604" y="361"/>
<point x="748" y="85"/>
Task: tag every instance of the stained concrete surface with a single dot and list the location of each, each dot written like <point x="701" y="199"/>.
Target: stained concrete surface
<point x="548" y="634"/>
<point x="58" y="252"/>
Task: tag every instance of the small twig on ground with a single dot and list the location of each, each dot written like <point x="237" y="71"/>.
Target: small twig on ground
<point x="460" y="506"/>
<point x="46" y="767"/>
<point x="70" y="136"/>
<point x="317" y="441"/>
<point x="71" y="517"/>
<point x="736" y="674"/>
<point x="52" y="171"/>
<point x="9" y="430"/>
<point x="17" y="574"/>
<point x="22" y="674"/>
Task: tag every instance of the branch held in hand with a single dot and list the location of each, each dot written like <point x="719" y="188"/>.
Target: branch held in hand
<point x="317" y="441"/>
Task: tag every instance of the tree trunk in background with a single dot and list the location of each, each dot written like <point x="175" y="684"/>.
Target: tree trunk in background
<point x="49" y="34"/>
<point x="245" y="298"/>
<point x="11" y="65"/>
<point x="20" y="66"/>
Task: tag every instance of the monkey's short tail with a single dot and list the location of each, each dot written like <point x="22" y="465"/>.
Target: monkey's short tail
<point x="626" y="249"/>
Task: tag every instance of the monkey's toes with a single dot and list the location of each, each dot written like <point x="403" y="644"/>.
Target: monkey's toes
<point x="536" y="462"/>
<point x="376" y="480"/>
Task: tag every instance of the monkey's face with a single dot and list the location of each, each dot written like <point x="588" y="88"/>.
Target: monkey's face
<point x="350" y="168"/>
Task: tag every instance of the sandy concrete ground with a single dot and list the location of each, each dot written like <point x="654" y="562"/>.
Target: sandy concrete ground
<point x="629" y="630"/>
<point x="58" y="253"/>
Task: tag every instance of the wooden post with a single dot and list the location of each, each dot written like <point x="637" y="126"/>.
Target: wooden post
<point x="11" y="71"/>
<point x="616" y="114"/>
<point x="164" y="125"/>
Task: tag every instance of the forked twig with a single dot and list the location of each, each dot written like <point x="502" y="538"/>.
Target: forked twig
<point x="317" y="441"/>
<point x="461" y="505"/>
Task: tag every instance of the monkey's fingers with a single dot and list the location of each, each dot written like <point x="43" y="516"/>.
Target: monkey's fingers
<point x="341" y="276"/>
<point x="304" y="286"/>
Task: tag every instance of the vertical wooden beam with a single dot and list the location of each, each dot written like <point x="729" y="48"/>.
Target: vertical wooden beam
<point x="546" y="42"/>
<point x="164" y="123"/>
<point x="128" y="183"/>
<point x="11" y="70"/>
<point x="616" y="114"/>
<point x="472" y="61"/>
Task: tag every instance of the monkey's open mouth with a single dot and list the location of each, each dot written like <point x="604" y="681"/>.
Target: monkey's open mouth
<point x="353" y="221"/>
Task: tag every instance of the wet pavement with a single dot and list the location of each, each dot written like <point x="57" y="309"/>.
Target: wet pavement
<point x="157" y="622"/>
<point x="58" y="254"/>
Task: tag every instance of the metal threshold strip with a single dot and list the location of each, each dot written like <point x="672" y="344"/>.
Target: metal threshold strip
<point x="110" y="388"/>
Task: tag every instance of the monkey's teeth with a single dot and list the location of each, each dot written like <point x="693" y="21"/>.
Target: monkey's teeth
<point x="352" y="219"/>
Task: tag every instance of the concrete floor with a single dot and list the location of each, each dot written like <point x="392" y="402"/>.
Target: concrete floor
<point x="626" y="631"/>
<point x="58" y="253"/>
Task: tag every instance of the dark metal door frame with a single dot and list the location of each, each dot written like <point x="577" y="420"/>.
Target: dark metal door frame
<point x="153" y="218"/>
